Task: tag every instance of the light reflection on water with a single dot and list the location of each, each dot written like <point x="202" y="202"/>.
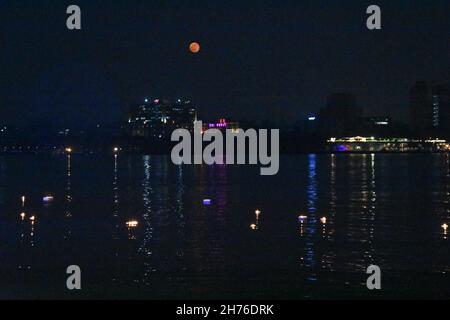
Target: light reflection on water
<point x="380" y="209"/>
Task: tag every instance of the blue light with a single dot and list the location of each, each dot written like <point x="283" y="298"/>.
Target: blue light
<point x="206" y="202"/>
<point x="341" y="148"/>
<point x="146" y="100"/>
<point x="312" y="118"/>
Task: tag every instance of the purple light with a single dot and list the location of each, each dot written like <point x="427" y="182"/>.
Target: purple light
<point x="342" y="148"/>
<point x="206" y="202"/>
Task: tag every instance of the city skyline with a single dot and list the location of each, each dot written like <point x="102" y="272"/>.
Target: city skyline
<point x="236" y="151"/>
<point x="253" y="62"/>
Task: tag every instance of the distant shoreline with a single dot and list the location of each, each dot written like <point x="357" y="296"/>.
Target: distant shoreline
<point x="168" y="153"/>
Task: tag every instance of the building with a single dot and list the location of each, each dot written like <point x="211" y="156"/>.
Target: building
<point x="372" y="144"/>
<point x="158" y="118"/>
<point x="341" y="116"/>
<point x="383" y="121"/>
<point x="430" y="109"/>
<point x="182" y="114"/>
<point x="223" y="124"/>
<point x="378" y="126"/>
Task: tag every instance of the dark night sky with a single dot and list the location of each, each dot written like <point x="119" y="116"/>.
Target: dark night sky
<point x="261" y="59"/>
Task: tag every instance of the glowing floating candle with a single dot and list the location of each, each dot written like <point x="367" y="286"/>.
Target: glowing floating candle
<point x="323" y="220"/>
<point x="132" y="224"/>
<point x="47" y="199"/>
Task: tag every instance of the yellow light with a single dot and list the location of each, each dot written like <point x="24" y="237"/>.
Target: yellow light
<point x="445" y="227"/>
<point x="32" y="218"/>
<point x="23" y="199"/>
<point x="257" y="212"/>
<point x="323" y="220"/>
<point x="132" y="224"/>
<point x="22" y="215"/>
<point x="69" y="150"/>
<point x="253" y="226"/>
<point x="116" y="149"/>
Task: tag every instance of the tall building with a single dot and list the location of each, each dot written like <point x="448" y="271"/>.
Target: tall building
<point x="182" y="114"/>
<point x="157" y="119"/>
<point x="430" y="109"/>
<point x="341" y="116"/>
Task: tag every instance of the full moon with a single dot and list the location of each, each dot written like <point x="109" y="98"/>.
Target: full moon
<point x="194" y="47"/>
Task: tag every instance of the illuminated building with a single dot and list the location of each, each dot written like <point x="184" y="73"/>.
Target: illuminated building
<point x="430" y="108"/>
<point x="378" y="126"/>
<point x="157" y="118"/>
<point x="372" y="144"/>
<point x="222" y="124"/>
<point x="182" y="114"/>
<point x="379" y="121"/>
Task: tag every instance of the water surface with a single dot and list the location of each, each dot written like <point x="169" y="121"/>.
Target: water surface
<point x="383" y="209"/>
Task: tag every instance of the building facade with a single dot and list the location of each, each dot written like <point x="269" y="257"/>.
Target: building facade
<point x="341" y="116"/>
<point x="158" y="118"/>
<point x="430" y="109"/>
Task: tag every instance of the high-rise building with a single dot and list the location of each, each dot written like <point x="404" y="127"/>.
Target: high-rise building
<point x="341" y="116"/>
<point x="157" y="119"/>
<point x="430" y="109"/>
<point x="182" y="114"/>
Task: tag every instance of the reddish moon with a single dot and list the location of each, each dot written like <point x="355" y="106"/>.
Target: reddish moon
<point x="194" y="47"/>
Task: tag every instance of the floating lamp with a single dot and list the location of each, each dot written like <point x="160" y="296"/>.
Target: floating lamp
<point x="445" y="227"/>
<point x="132" y="224"/>
<point x="22" y="215"/>
<point x="323" y="220"/>
<point x="32" y="218"/>
<point x="253" y="226"/>
<point x="302" y="218"/>
<point x="68" y="150"/>
<point x="47" y="199"/>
